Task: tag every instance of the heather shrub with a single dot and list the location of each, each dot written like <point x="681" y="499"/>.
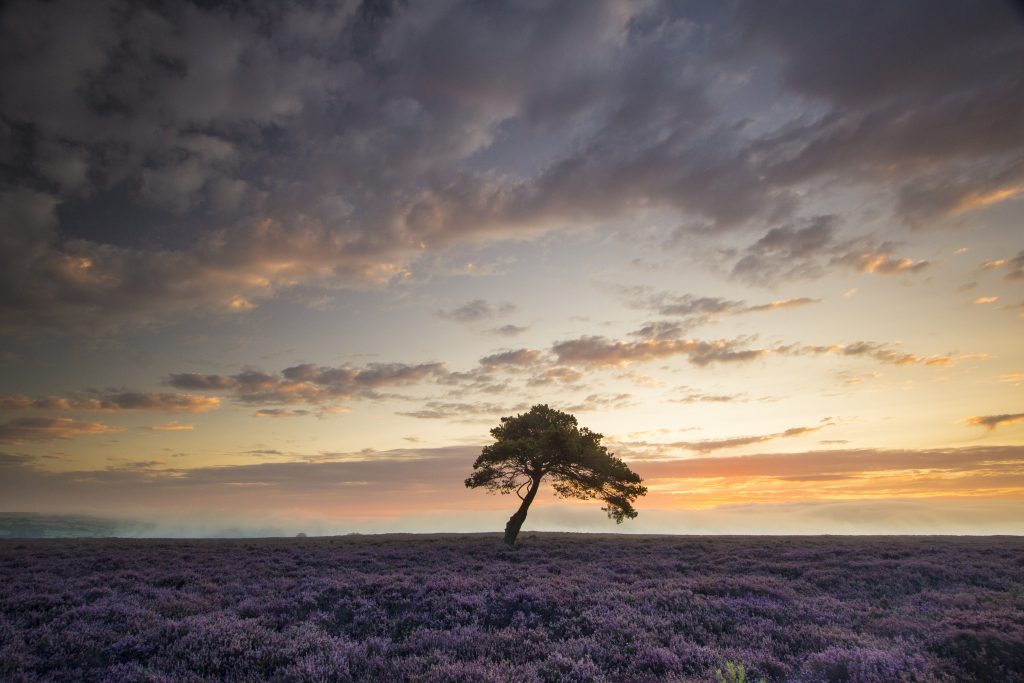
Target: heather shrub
<point x="983" y="655"/>
<point x="864" y="665"/>
<point x="560" y="608"/>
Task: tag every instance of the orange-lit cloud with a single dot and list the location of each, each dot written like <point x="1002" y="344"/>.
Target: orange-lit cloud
<point x="979" y="200"/>
<point x="986" y="299"/>
<point x="170" y="427"/>
<point x="992" y="421"/>
<point x="114" y="402"/>
<point x="281" y="413"/>
<point x="885" y="264"/>
<point x="48" y="429"/>
<point x="601" y="352"/>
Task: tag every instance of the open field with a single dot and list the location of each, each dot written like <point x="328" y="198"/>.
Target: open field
<point x="562" y="607"/>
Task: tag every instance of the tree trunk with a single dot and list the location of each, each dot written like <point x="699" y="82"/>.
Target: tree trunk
<point x="516" y="521"/>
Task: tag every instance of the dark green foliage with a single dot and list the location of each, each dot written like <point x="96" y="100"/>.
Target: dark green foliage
<point x="547" y="443"/>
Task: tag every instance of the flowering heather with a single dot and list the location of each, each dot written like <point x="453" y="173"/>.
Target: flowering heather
<point x="559" y="608"/>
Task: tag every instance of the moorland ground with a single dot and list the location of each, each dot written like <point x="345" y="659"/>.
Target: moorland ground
<point x="561" y="607"/>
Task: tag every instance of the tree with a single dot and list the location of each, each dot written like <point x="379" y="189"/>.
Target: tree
<point x="549" y="443"/>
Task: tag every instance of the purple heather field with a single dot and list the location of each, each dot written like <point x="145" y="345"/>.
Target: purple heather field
<point x="562" y="607"/>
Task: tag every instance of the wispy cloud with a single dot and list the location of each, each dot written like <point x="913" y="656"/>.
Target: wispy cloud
<point x="48" y="429"/>
<point x="114" y="401"/>
<point x="477" y="310"/>
<point x="440" y="410"/>
<point x="884" y="353"/>
<point x="170" y="427"/>
<point x="708" y="445"/>
<point x="990" y="422"/>
<point x="310" y="383"/>
<point x="601" y="352"/>
<point x="517" y="357"/>
<point x="812" y="249"/>
<point x="696" y="310"/>
<point x="702" y="397"/>
<point x="507" y="330"/>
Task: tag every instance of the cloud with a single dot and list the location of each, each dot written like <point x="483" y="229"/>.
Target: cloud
<point x="990" y="422"/>
<point x="281" y="412"/>
<point x="660" y="331"/>
<point x="601" y="402"/>
<point x="518" y="357"/>
<point x="398" y="134"/>
<point x="812" y="249"/>
<point x="558" y="374"/>
<point x="703" y="307"/>
<point x="700" y="397"/>
<point x="474" y="412"/>
<point x="601" y="352"/>
<point x="884" y="353"/>
<point x="507" y="330"/>
<point x="695" y="310"/>
<point x="477" y="310"/>
<point x="310" y="383"/>
<point x="1014" y="266"/>
<point x="48" y="428"/>
<point x="170" y="427"/>
<point x="114" y="401"/>
<point x="738" y="441"/>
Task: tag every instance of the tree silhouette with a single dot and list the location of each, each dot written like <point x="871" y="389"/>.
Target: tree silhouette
<point x="549" y="443"/>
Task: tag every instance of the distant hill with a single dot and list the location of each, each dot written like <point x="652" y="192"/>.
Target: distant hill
<point x="37" y="525"/>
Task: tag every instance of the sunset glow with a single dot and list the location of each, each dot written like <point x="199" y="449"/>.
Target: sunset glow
<point x="266" y="270"/>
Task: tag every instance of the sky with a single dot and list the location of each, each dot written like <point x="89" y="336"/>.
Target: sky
<point x="277" y="268"/>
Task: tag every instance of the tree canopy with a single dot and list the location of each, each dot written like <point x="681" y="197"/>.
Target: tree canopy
<point x="547" y="443"/>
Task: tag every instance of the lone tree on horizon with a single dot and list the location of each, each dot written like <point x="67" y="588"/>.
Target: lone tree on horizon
<point x="549" y="443"/>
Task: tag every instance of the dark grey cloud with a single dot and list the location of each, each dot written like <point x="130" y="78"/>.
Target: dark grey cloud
<point x="159" y="158"/>
<point x="477" y="310"/>
<point x="310" y="383"/>
<point x="813" y="248"/>
<point x="695" y="310"/>
<point x="915" y="94"/>
<point x="516" y="357"/>
<point x="1014" y="266"/>
<point x="507" y="330"/>
<point x="660" y="330"/>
